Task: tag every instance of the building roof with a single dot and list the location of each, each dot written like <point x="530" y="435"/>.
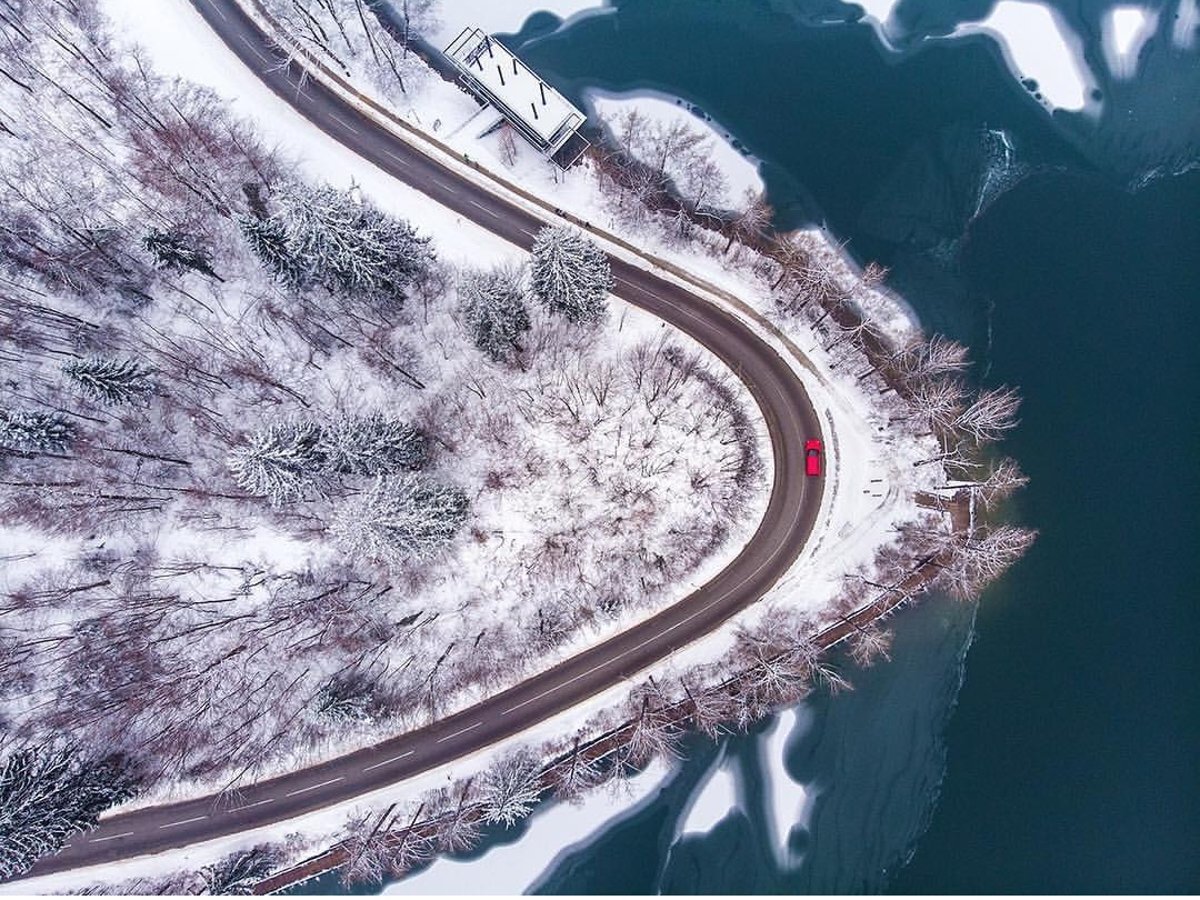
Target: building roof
<point x="514" y="88"/>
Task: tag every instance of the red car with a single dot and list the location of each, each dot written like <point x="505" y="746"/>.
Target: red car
<point x="812" y="458"/>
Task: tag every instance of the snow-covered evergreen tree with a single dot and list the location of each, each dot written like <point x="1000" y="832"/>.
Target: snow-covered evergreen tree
<point x="373" y="445"/>
<point x="492" y="304"/>
<point x="570" y="274"/>
<point x="267" y="241"/>
<point x="47" y="794"/>
<point x="400" y="517"/>
<point x="109" y="380"/>
<point x="280" y="461"/>
<point x="510" y="788"/>
<point x="178" y="252"/>
<point x="34" y="432"/>
<point x="349" y="245"/>
<point x="349" y="697"/>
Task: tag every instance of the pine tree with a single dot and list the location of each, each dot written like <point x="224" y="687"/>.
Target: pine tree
<point x="400" y="517"/>
<point x="373" y="445"/>
<point x="570" y="274"/>
<point x="493" y="310"/>
<point x="35" y="432"/>
<point x="349" y="697"/>
<point x="350" y="246"/>
<point x="178" y="252"/>
<point x="268" y="242"/>
<point x="111" y="381"/>
<point x="280" y="461"/>
<point x="47" y="794"/>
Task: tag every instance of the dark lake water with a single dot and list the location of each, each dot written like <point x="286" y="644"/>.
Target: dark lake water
<point x="1047" y="739"/>
<point x="1063" y="250"/>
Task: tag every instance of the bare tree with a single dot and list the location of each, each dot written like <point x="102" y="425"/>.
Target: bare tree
<point x="869" y="643"/>
<point x="748" y="221"/>
<point x="938" y="402"/>
<point x="511" y="787"/>
<point x="577" y="774"/>
<point x="990" y="415"/>
<point x="977" y="560"/>
<point x="654" y="730"/>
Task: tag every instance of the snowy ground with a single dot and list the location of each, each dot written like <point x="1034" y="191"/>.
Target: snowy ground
<point x="740" y="171"/>
<point x="1126" y="30"/>
<point x="552" y="831"/>
<point x="1038" y="44"/>
<point x="496" y="17"/>
<point x="873" y="480"/>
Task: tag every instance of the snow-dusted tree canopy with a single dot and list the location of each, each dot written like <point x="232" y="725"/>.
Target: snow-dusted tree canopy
<point x="510" y="788"/>
<point x="400" y="518"/>
<point x="281" y="461"/>
<point x="492" y="304"/>
<point x="237" y="874"/>
<point x="34" y="432"/>
<point x="570" y="274"/>
<point x="340" y="241"/>
<point x="372" y="445"/>
<point x="47" y="794"/>
<point x="111" y="381"/>
<point x="179" y="252"/>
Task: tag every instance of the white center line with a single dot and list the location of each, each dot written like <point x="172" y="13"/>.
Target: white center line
<point x="313" y="787"/>
<point x="184" y="821"/>
<point x="457" y="733"/>
<point x="343" y="123"/>
<point x="253" y="48"/>
<point x="396" y="157"/>
<point x="217" y="9"/>
<point x="490" y="212"/>
<point x="251" y="805"/>
<point x="110" y="837"/>
<point x="390" y="761"/>
<point x="444" y="185"/>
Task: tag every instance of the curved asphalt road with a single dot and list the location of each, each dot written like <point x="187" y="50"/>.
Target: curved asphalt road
<point x="789" y="518"/>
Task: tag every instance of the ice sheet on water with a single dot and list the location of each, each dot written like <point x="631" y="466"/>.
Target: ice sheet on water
<point x="1125" y="31"/>
<point x="788" y="803"/>
<point x="714" y="798"/>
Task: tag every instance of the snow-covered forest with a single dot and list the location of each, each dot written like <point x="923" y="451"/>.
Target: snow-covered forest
<point x="271" y="472"/>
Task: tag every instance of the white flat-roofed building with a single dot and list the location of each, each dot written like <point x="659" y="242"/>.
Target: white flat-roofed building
<point x="542" y="115"/>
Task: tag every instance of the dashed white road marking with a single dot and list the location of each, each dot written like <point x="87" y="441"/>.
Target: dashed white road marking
<point x="183" y="822"/>
<point x="390" y="761"/>
<point x="313" y="787"/>
<point x="395" y="156"/>
<point x="609" y="662"/>
<point x="343" y="123"/>
<point x="457" y="733"/>
<point x="253" y="47"/>
<point x="217" y="10"/>
<point x="490" y="212"/>
<point x="251" y="805"/>
<point x="445" y="185"/>
<point x="111" y="837"/>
